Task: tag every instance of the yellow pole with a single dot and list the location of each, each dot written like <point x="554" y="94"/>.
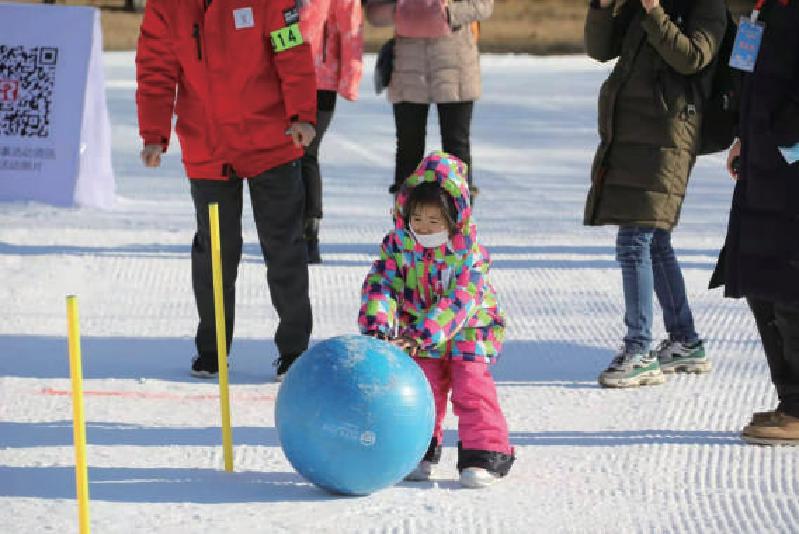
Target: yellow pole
<point x="78" y="423"/>
<point x="221" y="341"/>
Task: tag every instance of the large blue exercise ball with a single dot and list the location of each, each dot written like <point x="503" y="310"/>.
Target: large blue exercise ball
<point x="354" y="415"/>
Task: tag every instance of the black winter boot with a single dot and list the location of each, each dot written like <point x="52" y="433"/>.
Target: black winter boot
<point x="496" y="463"/>
<point x="433" y="454"/>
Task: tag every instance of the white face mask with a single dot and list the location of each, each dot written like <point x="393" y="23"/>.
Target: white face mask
<point x="432" y="240"/>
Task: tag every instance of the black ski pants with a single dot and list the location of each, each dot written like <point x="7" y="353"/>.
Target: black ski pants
<point x="778" y="324"/>
<point x="277" y="196"/>
<point x="454" y="121"/>
<point x="311" y="175"/>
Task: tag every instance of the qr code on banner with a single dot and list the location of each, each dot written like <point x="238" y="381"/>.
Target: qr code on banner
<point x="27" y="78"/>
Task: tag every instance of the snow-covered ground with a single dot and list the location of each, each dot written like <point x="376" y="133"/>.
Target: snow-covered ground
<point x="665" y="458"/>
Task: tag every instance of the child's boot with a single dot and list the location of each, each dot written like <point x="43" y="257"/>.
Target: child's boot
<point x="480" y="469"/>
<point x="424" y="470"/>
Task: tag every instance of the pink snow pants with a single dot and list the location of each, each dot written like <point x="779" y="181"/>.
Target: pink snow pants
<point x="481" y="424"/>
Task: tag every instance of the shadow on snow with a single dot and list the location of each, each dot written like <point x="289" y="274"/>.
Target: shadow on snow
<point x="168" y="359"/>
<point x="160" y="485"/>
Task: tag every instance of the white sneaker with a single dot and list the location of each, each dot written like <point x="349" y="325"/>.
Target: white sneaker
<point x="422" y="473"/>
<point x="477" y="477"/>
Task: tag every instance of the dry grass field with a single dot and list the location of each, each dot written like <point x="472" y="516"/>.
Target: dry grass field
<point x="521" y="26"/>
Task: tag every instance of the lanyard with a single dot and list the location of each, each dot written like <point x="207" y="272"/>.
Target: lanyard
<point x="759" y="5"/>
<point x="756" y="12"/>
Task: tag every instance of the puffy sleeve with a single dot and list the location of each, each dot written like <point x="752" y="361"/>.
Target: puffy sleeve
<point x="465" y="11"/>
<point x="157" y="72"/>
<point x="378" y="310"/>
<point x="293" y="62"/>
<point x="692" y="51"/>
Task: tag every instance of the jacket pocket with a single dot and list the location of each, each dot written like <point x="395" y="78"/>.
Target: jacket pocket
<point x="184" y="48"/>
<point x="265" y="134"/>
<point x="188" y="40"/>
<point x="659" y="94"/>
<point x="193" y="139"/>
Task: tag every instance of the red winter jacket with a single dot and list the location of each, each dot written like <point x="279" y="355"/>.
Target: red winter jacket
<point x="241" y="78"/>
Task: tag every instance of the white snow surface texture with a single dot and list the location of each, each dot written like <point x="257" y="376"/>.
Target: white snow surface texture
<point x="656" y="459"/>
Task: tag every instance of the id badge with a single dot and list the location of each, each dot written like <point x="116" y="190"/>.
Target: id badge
<point x="747" y="44"/>
<point x="243" y="18"/>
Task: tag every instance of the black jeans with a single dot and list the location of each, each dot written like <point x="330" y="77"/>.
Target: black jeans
<point x="454" y="121"/>
<point x="277" y="198"/>
<point x="311" y="175"/>
<point x="778" y="324"/>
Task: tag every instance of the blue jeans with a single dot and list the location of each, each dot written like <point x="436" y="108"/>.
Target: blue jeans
<point x="648" y="262"/>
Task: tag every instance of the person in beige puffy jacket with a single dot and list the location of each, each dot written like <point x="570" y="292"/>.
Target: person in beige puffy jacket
<point x="436" y="61"/>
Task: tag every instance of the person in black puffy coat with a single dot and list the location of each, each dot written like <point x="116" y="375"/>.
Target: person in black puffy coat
<point x="760" y="260"/>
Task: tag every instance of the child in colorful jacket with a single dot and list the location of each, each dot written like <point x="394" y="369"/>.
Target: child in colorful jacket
<point x="429" y="294"/>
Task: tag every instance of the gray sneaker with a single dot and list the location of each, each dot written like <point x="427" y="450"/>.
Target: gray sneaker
<point x="632" y="369"/>
<point x="679" y="357"/>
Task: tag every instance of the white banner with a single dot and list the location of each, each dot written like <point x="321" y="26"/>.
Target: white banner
<point x="55" y="134"/>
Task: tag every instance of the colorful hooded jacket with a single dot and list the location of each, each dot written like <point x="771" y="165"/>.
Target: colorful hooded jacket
<point x="440" y="297"/>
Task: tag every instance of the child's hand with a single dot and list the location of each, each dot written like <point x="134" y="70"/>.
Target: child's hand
<point x="406" y="343"/>
<point x="378" y="335"/>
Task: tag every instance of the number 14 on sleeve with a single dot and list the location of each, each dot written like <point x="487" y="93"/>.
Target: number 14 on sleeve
<point x="286" y="38"/>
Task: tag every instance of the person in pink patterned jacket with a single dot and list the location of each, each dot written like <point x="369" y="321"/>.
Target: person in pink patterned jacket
<point x="335" y="30"/>
<point x="429" y="294"/>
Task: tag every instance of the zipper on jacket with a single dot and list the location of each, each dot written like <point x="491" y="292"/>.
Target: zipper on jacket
<point x="196" y="34"/>
<point x="428" y="284"/>
<point x="324" y="43"/>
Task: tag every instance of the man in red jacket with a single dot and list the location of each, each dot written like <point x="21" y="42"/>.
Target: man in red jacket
<point x="241" y="81"/>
